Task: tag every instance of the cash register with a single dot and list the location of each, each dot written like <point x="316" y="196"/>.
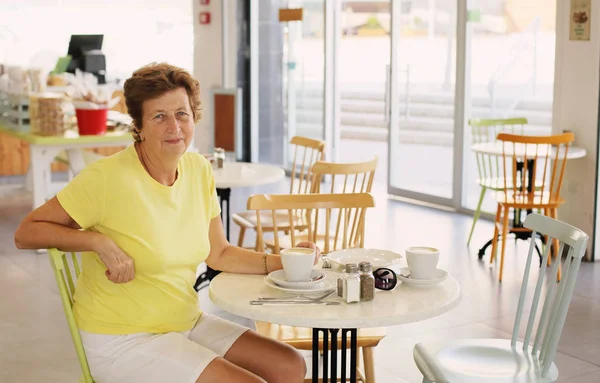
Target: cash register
<point x="86" y="55"/>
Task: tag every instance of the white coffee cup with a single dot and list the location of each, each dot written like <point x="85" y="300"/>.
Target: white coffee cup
<point x="422" y="261"/>
<point x="297" y="263"/>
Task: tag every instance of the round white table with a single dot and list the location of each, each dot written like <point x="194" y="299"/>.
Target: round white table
<point x="241" y="174"/>
<point x="404" y="304"/>
<point x="232" y="175"/>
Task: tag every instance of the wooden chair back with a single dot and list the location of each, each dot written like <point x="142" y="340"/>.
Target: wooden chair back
<point x="307" y="151"/>
<point x="336" y="220"/>
<point x="345" y="177"/>
<point x="534" y="160"/>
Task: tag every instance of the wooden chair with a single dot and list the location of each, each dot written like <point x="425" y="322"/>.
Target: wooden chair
<point x="341" y="178"/>
<point x="346" y="212"/>
<point x="488" y="167"/>
<point x="66" y="281"/>
<point x="512" y="360"/>
<point x="530" y="159"/>
<point x="307" y="151"/>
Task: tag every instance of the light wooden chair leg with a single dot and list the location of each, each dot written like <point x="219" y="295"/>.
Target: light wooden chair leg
<point x="495" y="238"/>
<point x="504" y="234"/>
<point x="369" y="361"/>
<point x="241" y="236"/>
<point x="554" y="214"/>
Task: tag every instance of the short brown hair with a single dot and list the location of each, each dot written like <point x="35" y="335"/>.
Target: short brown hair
<point x="154" y="80"/>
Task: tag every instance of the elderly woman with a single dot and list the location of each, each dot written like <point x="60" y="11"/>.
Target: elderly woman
<point x="145" y="219"/>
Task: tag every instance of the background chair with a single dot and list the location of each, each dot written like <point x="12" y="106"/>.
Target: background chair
<point x="329" y="177"/>
<point x="66" y="287"/>
<point x="321" y="211"/>
<point x="488" y="167"/>
<point x="307" y="151"/>
<point x="538" y="160"/>
<point x="504" y="360"/>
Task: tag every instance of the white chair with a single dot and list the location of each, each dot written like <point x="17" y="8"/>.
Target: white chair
<point x="510" y="360"/>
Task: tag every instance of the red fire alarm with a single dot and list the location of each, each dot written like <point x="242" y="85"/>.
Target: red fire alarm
<point x="204" y="17"/>
<point x="204" y="2"/>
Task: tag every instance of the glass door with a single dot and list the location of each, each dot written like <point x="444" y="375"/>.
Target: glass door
<point x="290" y="36"/>
<point x="421" y="101"/>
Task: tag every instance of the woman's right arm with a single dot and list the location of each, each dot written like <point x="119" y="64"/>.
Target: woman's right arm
<point x="50" y="226"/>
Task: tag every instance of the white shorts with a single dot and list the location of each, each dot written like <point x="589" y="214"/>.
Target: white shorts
<point x="176" y="357"/>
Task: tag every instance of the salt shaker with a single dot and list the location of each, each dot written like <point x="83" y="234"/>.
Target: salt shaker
<point x="367" y="281"/>
<point x="219" y="157"/>
<point x="351" y="284"/>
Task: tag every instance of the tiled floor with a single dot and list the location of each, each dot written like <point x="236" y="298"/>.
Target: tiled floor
<point x="35" y="344"/>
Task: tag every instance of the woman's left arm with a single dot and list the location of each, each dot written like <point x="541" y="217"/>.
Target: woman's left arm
<point x="233" y="259"/>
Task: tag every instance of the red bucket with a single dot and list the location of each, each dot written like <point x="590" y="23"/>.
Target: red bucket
<point x="91" y="122"/>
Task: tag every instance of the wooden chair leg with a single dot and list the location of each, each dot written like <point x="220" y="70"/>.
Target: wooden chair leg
<point x="504" y="234"/>
<point x="495" y="237"/>
<point x="369" y="361"/>
<point x="241" y="236"/>
<point x="554" y="214"/>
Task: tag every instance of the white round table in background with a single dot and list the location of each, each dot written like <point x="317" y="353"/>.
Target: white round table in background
<point x="233" y="175"/>
<point x="404" y="304"/>
<point x="242" y="174"/>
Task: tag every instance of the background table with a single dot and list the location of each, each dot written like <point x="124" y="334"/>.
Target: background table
<point x="404" y="304"/>
<point x="232" y="175"/>
<point x="44" y="149"/>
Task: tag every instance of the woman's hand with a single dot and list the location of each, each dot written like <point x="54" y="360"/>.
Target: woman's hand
<point x="120" y="266"/>
<point x="311" y="245"/>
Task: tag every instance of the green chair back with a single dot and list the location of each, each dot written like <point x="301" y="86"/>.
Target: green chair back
<point x="486" y="131"/>
<point x="66" y="280"/>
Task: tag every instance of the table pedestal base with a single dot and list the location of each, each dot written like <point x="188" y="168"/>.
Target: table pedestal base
<point x="330" y="357"/>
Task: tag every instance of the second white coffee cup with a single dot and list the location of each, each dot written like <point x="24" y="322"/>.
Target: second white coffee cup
<point x="297" y="263"/>
<point x="422" y="261"/>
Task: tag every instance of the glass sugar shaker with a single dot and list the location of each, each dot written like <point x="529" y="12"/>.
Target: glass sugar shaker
<point x="367" y="281"/>
<point x="219" y="157"/>
<point x="351" y="283"/>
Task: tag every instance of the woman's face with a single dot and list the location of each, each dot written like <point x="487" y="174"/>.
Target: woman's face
<point x="168" y="123"/>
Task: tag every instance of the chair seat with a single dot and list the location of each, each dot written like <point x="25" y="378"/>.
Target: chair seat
<point x="247" y="219"/>
<point x="536" y="199"/>
<point x="497" y="183"/>
<point x="301" y="337"/>
<point x="479" y="360"/>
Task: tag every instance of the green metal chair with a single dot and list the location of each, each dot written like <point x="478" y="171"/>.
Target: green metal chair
<point x="66" y="288"/>
<point x="490" y="167"/>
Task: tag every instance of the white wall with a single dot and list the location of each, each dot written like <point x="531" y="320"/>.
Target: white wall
<point x="208" y="62"/>
<point x="576" y="88"/>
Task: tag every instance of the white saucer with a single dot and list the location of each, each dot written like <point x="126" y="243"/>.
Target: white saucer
<point x="378" y="258"/>
<point x="320" y="287"/>
<point x="278" y="276"/>
<point x="440" y="275"/>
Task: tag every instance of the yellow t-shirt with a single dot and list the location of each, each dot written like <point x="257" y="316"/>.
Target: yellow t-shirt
<point x="163" y="228"/>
